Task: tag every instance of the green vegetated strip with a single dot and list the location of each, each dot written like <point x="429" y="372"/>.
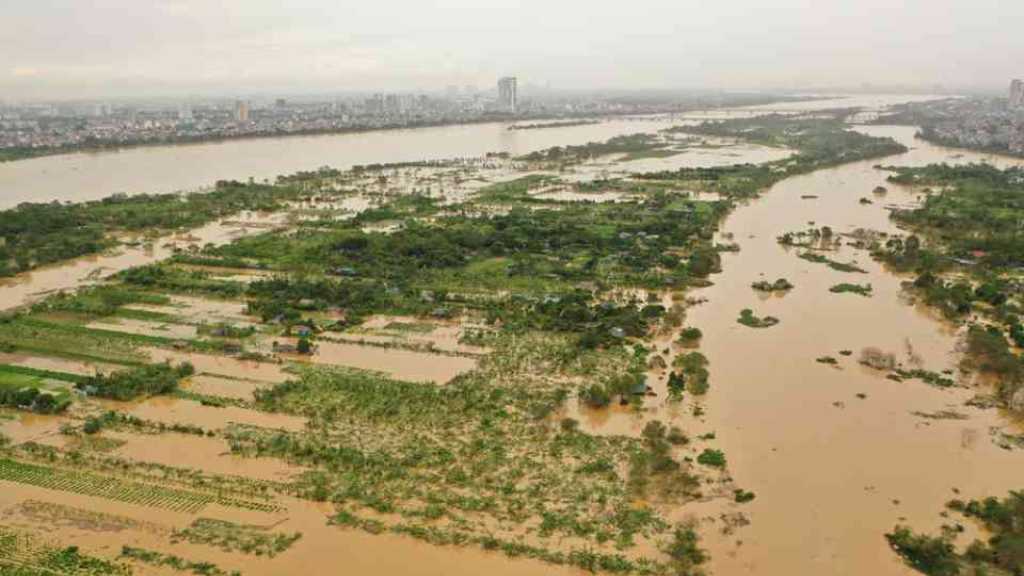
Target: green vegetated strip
<point x="104" y="300"/>
<point x="8" y="369"/>
<point x="66" y="340"/>
<point x="632" y="145"/>
<point x="112" y="488"/>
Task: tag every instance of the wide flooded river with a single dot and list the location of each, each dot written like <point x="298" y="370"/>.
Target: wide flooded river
<point x="153" y="169"/>
<point x="834" y="471"/>
<point x="94" y="175"/>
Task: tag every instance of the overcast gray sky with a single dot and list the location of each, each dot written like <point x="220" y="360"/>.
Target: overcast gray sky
<point x="109" y="48"/>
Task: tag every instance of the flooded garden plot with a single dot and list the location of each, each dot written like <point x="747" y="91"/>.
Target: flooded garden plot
<point x="205" y="453"/>
<point x="224" y="366"/>
<point x="146" y="328"/>
<point x="55" y="364"/>
<point x="416" y="332"/>
<point x="171" y="411"/>
<point x="195" y="310"/>
<point x="397" y="362"/>
<point x="224" y="387"/>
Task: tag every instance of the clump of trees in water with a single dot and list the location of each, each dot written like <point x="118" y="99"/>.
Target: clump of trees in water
<point x="690" y="336"/>
<point x="690" y="374"/>
<point x="780" y="285"/>
<point x="1002" y="553"/>
<point x="968" y="225"/>
<point x="749" y="319"/>
<point x="33" y="399"/>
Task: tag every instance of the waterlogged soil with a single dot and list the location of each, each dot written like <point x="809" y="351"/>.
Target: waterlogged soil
<point x="199" y="452"/>
<point x="53" y="364"/>
<point x="211" y="364"/>
<point x="196" y="310"/>
<point x="146" y="328"/>
<point x="22" y="427"/>
<point x="172" y="411"/>
<point x="63" y="517"/>
<point x="396" y="362"/>
<point x="438" y="335"/>
<point x="225" y="387"/>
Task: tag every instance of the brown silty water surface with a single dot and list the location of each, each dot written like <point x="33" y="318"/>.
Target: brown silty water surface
<point x="91" y="176"/>
<point x="832" y="472"/>
<point x="171" y="411"/>
<point x="200" y="452"/>
<point x="831" y="478"/>
<point x="222" y="365"/>
<point x="398" y="363"/>
<point x="323" y="549"/>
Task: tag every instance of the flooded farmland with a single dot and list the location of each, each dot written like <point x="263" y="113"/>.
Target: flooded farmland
<point x="836" y="452"/>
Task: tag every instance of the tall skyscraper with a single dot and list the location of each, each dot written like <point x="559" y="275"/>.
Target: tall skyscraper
<point x="241" y="111"/>
<point x="508" y="93"/>
<point x="1017" y="93"/>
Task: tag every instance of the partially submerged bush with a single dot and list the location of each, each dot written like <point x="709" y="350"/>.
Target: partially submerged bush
<point x="875" y="358"/>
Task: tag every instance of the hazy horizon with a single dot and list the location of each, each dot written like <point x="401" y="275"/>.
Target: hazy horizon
<point x="62" y="49"/>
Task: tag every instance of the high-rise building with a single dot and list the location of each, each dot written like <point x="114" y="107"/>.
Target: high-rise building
<point x="508" y="93"/>
<point x="241" y="111"/>
<point x="393" y="104"/>
<point x="1017" y="93"/>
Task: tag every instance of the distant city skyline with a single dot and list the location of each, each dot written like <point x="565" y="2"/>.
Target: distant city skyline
<point x="68" y="49"/>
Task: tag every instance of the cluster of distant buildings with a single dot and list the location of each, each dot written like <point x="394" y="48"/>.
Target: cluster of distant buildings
<point x="71" y="125"/>
<point x="984" y="124"/>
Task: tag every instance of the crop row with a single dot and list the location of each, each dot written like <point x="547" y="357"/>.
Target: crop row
<point x="90" y="484"/>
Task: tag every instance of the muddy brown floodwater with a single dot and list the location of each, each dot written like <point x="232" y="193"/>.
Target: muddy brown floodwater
<point x="834" y="472"/>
